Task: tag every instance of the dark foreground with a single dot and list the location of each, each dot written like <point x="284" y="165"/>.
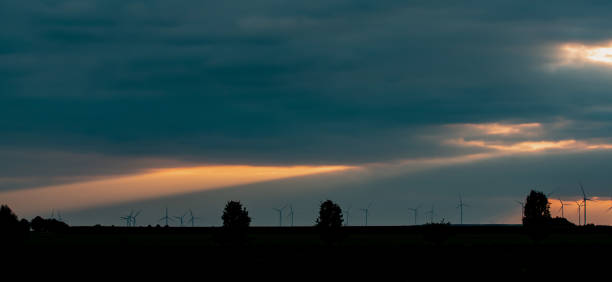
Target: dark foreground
<point x="419" y="249"/>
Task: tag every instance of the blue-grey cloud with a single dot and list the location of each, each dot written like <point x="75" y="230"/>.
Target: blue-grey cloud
<point x="271" y="82"/>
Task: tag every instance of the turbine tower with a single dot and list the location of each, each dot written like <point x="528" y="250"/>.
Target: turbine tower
<point x="610" y="208"/>
<point x="192" y="218"/>
<point x="561" y="209"/>
<point x="584" y="200"/>
<point x="348" y="215"/>
<point x="431" y="214"/>
<point x="128" y="219"/>
<point x="416" y="212"/>
<point x="181" y="218"/>
<point x="579" y="204"/>
<point x="134" y="217"/>
<point x="366" y="213"/>
<point x="290" y="215"/>
<point x="460" y="207"/>
<point x="166" y="218"/>
<point x="280" y="215"/>
<point x="522" y="208"/>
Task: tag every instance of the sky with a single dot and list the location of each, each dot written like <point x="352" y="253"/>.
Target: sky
<point x="111" y="106"/>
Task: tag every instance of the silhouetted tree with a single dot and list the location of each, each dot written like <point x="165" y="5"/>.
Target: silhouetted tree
<point x="330" y="215"/>
<point x="329" y="222"/>
<point x="537" y="209"/>
<point x="11" y="229"/>
<point x="235" y="216"/>
<point x="24" y="225"/>
<point x="7" y="217"/>
<point x="38" y="224"/>
<point x="236" y="221"/>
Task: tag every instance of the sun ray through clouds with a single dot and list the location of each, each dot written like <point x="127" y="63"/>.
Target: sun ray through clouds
<point x="153" y="184"/>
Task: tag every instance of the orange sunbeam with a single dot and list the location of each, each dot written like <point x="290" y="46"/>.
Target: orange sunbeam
<point x="152" y="184"/>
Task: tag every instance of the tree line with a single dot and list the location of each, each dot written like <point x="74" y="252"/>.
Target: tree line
<point x="236" y="219"/>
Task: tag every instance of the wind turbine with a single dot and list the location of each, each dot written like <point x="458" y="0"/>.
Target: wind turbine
<point x="291" y="214"/>
<point x="416" y="212"/>
<point x="561" y="209"/>
<point x="366" y="212"/>
<point x="181" y="218"/>
<point x="431" y="214"/>
<point x="192" y="218"/>
<point x="579" y="206"/>
<point x="522" y="208"/>
<point x="280" y="215"/>
<point x="610" y="208"/>
<point x="59" y="216"/>
<point x="460" y="206"/>
<point x="584" y="200"/>
<point x="166" y="218"/>
<point x="348" y="215"/>
<point x="128" y="219"/>
<point x="134" y="218"/>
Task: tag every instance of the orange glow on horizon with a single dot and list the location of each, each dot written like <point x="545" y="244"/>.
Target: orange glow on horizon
<point x="598" y="211"/>
<point x="153" y="184"/>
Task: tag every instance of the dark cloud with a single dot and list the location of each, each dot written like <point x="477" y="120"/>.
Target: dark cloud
<point x="274" y="82"/>
<point x="32" y="168"/>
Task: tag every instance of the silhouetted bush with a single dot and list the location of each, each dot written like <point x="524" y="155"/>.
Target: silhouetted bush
<point x="330" y="222"/>
<point x="40" y="224"/>
<point x="11" y="229"/>
<point x="560" y="222"/>
<point x="437" y="233"/>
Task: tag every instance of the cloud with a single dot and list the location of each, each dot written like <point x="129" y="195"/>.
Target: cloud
<point x="119" y="87"/>
<point x="580" y="55"/>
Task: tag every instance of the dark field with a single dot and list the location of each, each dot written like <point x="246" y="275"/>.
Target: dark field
<point x="384" y="236"/>
<point x="481" y="249"/>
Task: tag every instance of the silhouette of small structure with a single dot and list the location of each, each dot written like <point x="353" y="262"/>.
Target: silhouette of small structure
<point x="40" y="224"/>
